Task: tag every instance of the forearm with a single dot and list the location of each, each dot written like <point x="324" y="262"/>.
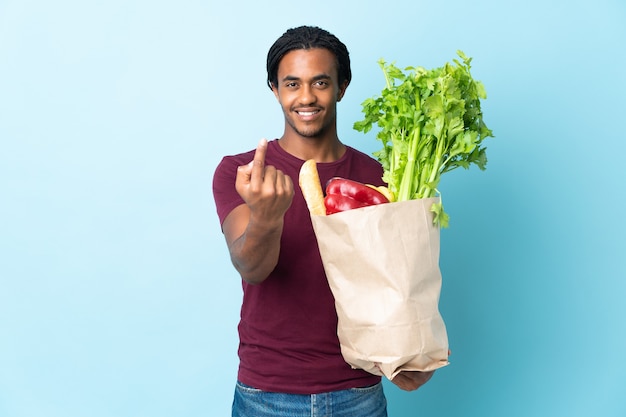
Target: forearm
<point x="255" y="253"/>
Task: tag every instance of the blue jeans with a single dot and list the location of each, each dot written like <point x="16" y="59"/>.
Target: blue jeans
<point x="354" y="402"/>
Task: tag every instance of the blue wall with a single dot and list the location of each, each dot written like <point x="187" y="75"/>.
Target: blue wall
<point x="117" y="297"/>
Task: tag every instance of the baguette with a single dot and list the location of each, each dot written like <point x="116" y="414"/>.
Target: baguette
<point x="311" y="186"/>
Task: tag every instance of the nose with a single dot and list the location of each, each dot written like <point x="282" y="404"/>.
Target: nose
<point x="307" y="95"/>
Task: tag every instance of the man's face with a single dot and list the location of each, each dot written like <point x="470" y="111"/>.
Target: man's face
<point x="308" y="91"/>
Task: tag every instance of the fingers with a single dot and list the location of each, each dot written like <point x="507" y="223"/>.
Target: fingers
<point x="412" y="380"/>
<point x="283" y="184"/>
<point x="256" y="167"/>
<point x="243" y="176"/>
<point x="288" y="185"/>
<point x="276" y="182"/>
<point x="257" y="180"/>
<point x="258" y="163"/>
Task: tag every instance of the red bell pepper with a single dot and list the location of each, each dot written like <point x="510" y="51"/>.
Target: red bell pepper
<point x="343" y="194"/>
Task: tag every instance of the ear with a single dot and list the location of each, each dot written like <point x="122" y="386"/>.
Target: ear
<point x="342" y="90"/>
<point x="275" y="90"/>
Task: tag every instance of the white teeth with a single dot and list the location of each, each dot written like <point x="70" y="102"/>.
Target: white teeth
<point x="306" y="113"/>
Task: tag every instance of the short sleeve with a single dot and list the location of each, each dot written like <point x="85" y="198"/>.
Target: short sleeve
<point x="224" y="192"/>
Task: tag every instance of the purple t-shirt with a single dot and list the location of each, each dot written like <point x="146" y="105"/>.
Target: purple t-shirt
<point x="288" y="327"/>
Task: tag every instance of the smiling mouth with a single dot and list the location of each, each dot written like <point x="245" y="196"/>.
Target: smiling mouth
<point x="307" y="113"/>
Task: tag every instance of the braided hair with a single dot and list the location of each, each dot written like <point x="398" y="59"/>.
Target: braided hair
<point x="307" y="37"/>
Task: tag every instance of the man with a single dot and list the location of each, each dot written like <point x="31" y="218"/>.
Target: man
<point x="290" y="359"/>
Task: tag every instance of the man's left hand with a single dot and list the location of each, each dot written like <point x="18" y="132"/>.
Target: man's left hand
<point x="411" y="380"/>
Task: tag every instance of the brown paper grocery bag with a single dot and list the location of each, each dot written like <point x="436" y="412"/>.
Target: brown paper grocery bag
<point x="382" y="264"/>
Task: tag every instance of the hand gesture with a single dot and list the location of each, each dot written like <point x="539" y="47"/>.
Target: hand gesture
<point x="268" y="192"/>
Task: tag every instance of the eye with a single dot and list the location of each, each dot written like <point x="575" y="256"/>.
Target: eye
<point x="321" y="84"/>
<point x="291" y="84"/>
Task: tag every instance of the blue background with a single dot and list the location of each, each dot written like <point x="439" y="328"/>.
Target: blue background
<point x="117" y="297"/>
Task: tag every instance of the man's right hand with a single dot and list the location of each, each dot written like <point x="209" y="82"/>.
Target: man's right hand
<point x="253" y="230"/>
<point x="268" y="192"/>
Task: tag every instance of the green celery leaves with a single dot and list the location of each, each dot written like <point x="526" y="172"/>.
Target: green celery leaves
<point x="430" y="122"/>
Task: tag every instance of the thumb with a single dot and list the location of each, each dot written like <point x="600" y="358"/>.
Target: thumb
<point x="244" y="172"/>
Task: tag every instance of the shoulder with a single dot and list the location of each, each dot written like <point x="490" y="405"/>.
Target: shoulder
<point x="230" y="161"/>
<point x="362" y="167"/>
<point x="224" y="191"/>
<point x="361" y="157"/>
<point x="363" y="161"/>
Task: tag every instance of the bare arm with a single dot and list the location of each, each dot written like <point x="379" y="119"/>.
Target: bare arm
<point x="253" y="229"/>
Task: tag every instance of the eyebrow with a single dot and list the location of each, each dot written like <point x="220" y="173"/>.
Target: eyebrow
<point x="316" y="78"/>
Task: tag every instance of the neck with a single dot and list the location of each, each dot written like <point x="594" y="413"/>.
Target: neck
<point x="317" y="148"/>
